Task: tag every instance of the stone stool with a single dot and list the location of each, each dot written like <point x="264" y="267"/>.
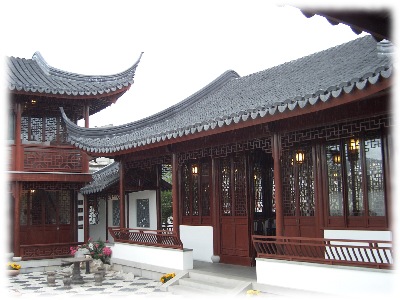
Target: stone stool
<point x="51" y="278"/>
<point x="67" y="280"/>
<point x="98" y="278"/>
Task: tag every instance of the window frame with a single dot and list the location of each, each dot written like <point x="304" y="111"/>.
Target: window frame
<point x="365" y="220"/>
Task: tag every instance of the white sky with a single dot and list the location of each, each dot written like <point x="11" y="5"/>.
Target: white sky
<point x="186" y="44"/>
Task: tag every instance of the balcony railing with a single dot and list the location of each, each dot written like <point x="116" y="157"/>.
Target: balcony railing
<point x="138" y="236"/>
<point x="362" y="253"/>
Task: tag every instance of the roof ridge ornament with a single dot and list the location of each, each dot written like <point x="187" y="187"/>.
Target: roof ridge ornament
<point x="385" y="48"/>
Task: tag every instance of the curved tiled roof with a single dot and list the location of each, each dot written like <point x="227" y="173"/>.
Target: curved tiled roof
<point x="37" y="76"/>
<point x="231" y="99"/>
<point x="102" y="179"/>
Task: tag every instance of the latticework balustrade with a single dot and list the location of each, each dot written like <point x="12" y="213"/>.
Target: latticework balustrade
<point x="363" y="253"/>
<point x="156" y="238"/>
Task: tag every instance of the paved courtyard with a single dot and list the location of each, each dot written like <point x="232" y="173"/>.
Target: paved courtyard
<point x="115" y="284"/>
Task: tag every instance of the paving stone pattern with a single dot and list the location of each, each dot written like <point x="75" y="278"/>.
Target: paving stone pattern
<point x="114" y="284"/>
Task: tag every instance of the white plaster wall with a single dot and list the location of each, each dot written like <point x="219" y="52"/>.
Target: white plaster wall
<point x="335" y="280"/>
<point x="81" y="232"/>
<point x="110" y="216"/>
<point x="359" y="235"/>
<point x="200" y="239"/>
<point x="155" y="256"/>
<point x="133" y="197"/>
<point x="98" y="231"/>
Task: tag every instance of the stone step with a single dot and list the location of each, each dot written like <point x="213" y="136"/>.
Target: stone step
<point x="188" y="291"/>
<point x="201" y="285"/>
<point x="196" y="283"/>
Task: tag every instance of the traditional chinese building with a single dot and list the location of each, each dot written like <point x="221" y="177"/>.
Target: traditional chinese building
<point x="46" y="173"/>
<point x="299" y="150"/>
<point x="287" y="164"/>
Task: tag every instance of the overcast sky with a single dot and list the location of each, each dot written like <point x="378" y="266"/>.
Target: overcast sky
<point x="186" y="44"/>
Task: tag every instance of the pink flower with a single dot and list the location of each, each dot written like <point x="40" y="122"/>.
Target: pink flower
<point x="107" y="251"/>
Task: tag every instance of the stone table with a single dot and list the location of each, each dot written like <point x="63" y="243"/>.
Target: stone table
<point x="76" y="272"/>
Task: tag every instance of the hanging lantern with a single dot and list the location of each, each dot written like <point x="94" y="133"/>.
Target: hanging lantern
<point x="354" y="145"/>
<point x="195" y="170"/>
<point x="300" y="156"/>
<point x="336" y="157"/>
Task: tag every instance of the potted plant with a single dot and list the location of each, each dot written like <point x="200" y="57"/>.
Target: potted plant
<point x="167" y="277"/>
<point x="13" y="269"/>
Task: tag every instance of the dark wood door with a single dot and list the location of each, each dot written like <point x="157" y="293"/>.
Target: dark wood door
<point x="234" y="215"/>
<point x="46" y="217"/>
<point x="299" y="193"/>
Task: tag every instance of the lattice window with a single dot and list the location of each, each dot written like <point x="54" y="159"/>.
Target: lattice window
<point x="195" y="192"/>
<point x="354" y="182"/>
<point x="24" y="210"/>
<point x="45" y="207"/>
<point x="115" y="213"/>
<point x="93" y="211"/>
<point x="36" y="129"/>
<point x="205" y="189"/>
<point x="143" y="213"/>
<point x="258" y="188"/>
<point x="186" y="190"/>
<point x="374" y="174"/>
<point x="64" y="207"/>
<point x="226" y="199"/>
<point x="288" y="184"/>
<point x="298" y="183"/>
<point x="306" y="185"/>
<point x="48" y="129"/>
<point x="50" y="207"/>
<point x="240" y="194"/>
<point x="362" y="189"/>
<point x="335" y="180"/>
<point x="166" y="173"/>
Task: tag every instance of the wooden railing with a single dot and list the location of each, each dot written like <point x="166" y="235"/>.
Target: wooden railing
<point x="362" y="253"/>
<point x="138" y="236"/>
<point x="44" y="251"/>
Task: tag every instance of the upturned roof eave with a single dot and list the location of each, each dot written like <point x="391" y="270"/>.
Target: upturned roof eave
<point x="120" y="143"/>
<point x="68" y="85"/>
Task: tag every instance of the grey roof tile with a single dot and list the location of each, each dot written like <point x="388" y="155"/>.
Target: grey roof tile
<point x="230" y="99"/>
<point x="36" y="76"/>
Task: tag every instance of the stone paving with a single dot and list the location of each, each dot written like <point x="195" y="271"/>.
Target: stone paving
<point x="115" y="284"/>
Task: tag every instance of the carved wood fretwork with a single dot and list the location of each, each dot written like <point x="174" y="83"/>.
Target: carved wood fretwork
<point x="149" y="162"/>
<point x="52" y="159"/>
<point x="52" y="186"/>
<point x="336" y="131"/>
<point x="224" y="150"/>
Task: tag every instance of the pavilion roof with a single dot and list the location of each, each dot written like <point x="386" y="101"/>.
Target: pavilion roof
<point x="36" y="77"/>
<point x="231" y="99"/>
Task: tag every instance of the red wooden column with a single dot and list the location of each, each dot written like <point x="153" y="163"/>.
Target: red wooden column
<point x="175" y="194"/>
<point x="17" y="139"/>
<point x="19" y="152"/>
<point x="121" y="195"/>
<point x="158" y="196"/>
<point x="16" y="233"/>
<point x="276" y="154"/>
<point x="85" y="160"/>
<point x="215" y="208"/>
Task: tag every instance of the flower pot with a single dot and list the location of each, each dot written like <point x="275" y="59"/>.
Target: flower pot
<point x="12" y="272"/>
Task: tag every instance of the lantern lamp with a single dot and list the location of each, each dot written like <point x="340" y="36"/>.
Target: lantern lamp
<point x="195" y="170"/>
<point x="300" y="156"/>
<point x="336" y="158"/>
<point x="354" y="145"/>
